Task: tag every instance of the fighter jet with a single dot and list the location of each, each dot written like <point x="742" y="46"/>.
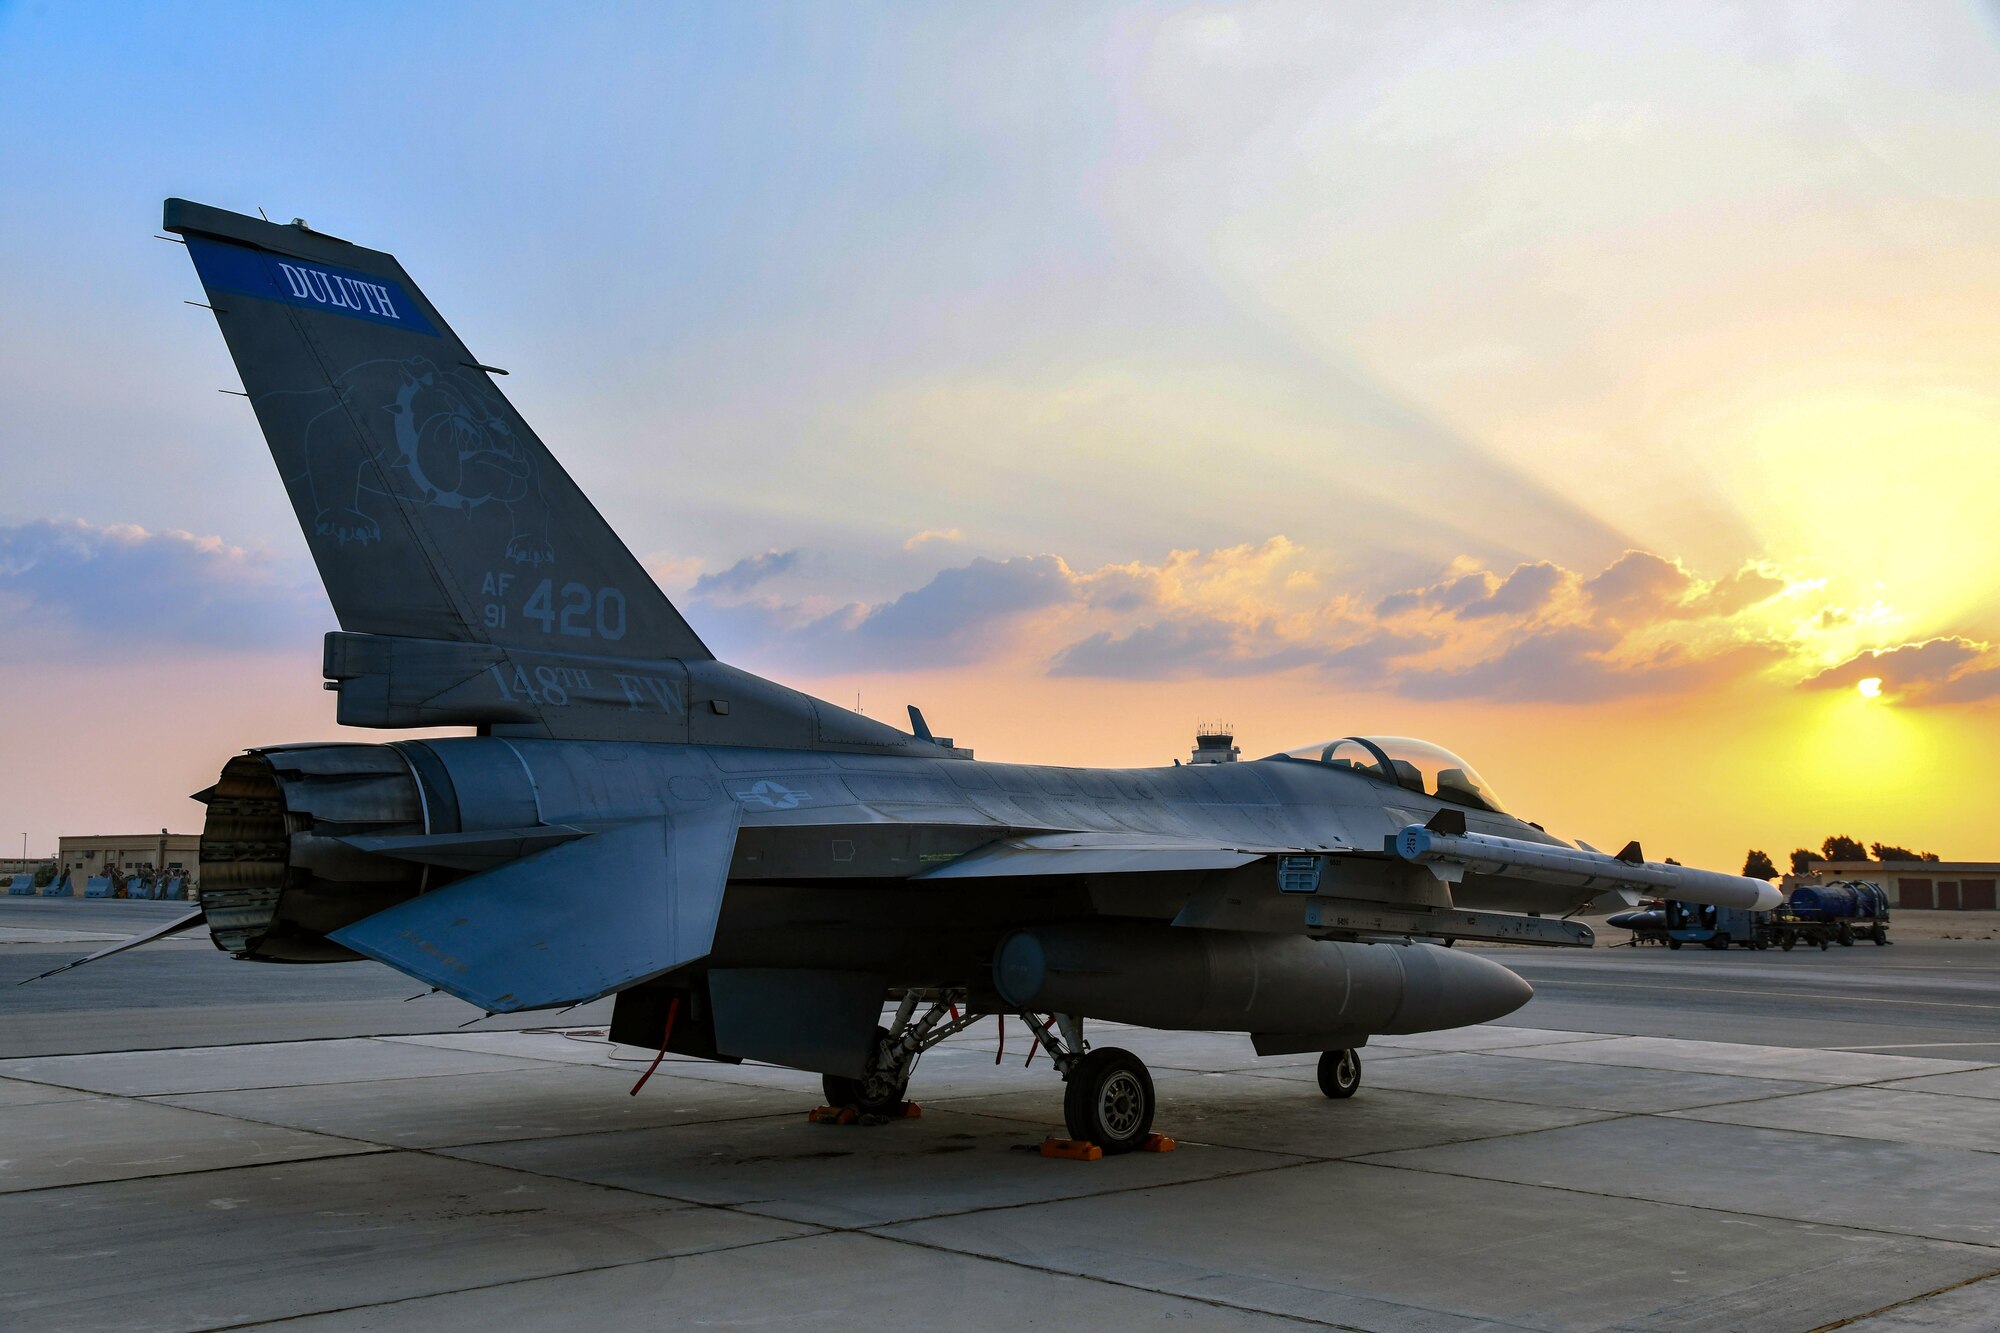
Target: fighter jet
<point x="753" y="873"/>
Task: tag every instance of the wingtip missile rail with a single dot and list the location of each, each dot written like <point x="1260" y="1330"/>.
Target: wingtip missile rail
<point x="1451" y="856"/>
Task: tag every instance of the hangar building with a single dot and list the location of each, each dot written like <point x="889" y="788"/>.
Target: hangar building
<point x="124" y="855"/>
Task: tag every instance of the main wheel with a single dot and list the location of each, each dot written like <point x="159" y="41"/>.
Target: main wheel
<point x="877" y="1092"/>
<point x="1109" y="1100"/>
<point x="1339" y="1073"/>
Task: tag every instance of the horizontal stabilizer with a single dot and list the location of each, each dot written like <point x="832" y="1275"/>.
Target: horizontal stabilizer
<point x="570" y="923"/>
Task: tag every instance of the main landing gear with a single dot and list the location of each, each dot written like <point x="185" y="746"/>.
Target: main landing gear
<point x="880" y="1089"/>
<point x="1108" y="1097"/>
<point x="1108" y="1100"/>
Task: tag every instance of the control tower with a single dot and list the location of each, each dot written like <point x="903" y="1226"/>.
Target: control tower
<point x="1215" y="743"/>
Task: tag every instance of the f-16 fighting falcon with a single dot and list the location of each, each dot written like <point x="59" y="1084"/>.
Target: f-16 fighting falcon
<point x="756" y="874"/>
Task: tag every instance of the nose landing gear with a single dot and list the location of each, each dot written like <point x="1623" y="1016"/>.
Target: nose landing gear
<point x="1339" y="1073"/>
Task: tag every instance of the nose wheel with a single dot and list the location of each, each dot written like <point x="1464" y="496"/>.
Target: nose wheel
<point x="1339" y="1073"/>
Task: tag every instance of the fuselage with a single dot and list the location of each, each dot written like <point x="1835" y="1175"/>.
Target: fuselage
<point x="839" y="858"/>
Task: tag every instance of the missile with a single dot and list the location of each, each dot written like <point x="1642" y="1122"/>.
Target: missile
<point x="1452" y="855"/>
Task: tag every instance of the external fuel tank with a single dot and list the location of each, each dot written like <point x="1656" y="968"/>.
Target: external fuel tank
<point x="1177" y="977"/>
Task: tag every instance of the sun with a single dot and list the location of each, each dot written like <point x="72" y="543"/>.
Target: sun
<point x="1870" y="688"/>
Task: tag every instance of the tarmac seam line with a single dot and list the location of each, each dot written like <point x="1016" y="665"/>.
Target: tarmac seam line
<point x="1828" y="1133"/>
<point x="1608" y="1110"/>
<point x="1795" y="1078"/>
<point x="371" y="1150"/>
<point x="1908" y="1300"/>
<point x="1210" y="1301"/>
<point x="1891" y="1087"/>
<point x="504" y="1282"/>
<point x="1597" y="1115"/>
<point x="430" y="1147"/>
<point x="1675" y="1203"/>
<point x="1298" y="1160"/>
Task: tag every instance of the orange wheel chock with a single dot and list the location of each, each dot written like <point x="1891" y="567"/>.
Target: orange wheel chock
<point x="1076" y="1150"/>
<point x="912" y="1111"/>
<point x="831" y="1115"/>
<point x="1158" y="1143"/>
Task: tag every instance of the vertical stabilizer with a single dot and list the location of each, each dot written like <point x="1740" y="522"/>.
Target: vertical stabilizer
<point x="431" y="508"/>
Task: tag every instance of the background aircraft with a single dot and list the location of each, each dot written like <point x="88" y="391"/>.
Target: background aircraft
<point x="752" y="871"/>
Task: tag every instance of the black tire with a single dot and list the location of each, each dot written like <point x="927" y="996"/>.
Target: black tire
<point x="1880" y="934"/>
<point x="1109" y="1100"/>
<point x="1786" y="941"/>
<point x="1822" y="944"/>
<point x="1339" y="1073"/>
<point x="874" y="1094"/>
<point x="1717" y="941"/>
<point x="1846" y="936"/>
<point x="1673" y="943"/>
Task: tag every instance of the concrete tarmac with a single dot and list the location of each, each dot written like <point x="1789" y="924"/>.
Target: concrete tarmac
<point x="1657" y="1141"/>
<point x="1918" y="997"/>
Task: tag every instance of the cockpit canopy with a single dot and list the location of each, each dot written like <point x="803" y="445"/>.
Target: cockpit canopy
<point x="1417" y="765"/>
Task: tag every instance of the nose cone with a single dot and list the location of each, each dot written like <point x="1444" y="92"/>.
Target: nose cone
<point x="1448" y="988"/>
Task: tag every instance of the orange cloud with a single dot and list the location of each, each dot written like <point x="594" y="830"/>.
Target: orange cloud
<point x="1943" y="670"/>
<point x="1644" y="625"/>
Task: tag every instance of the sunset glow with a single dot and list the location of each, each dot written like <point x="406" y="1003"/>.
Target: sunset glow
<point x="1615" y="410"/>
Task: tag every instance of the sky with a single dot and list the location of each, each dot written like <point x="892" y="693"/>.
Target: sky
<point x="1604" y="392"/>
